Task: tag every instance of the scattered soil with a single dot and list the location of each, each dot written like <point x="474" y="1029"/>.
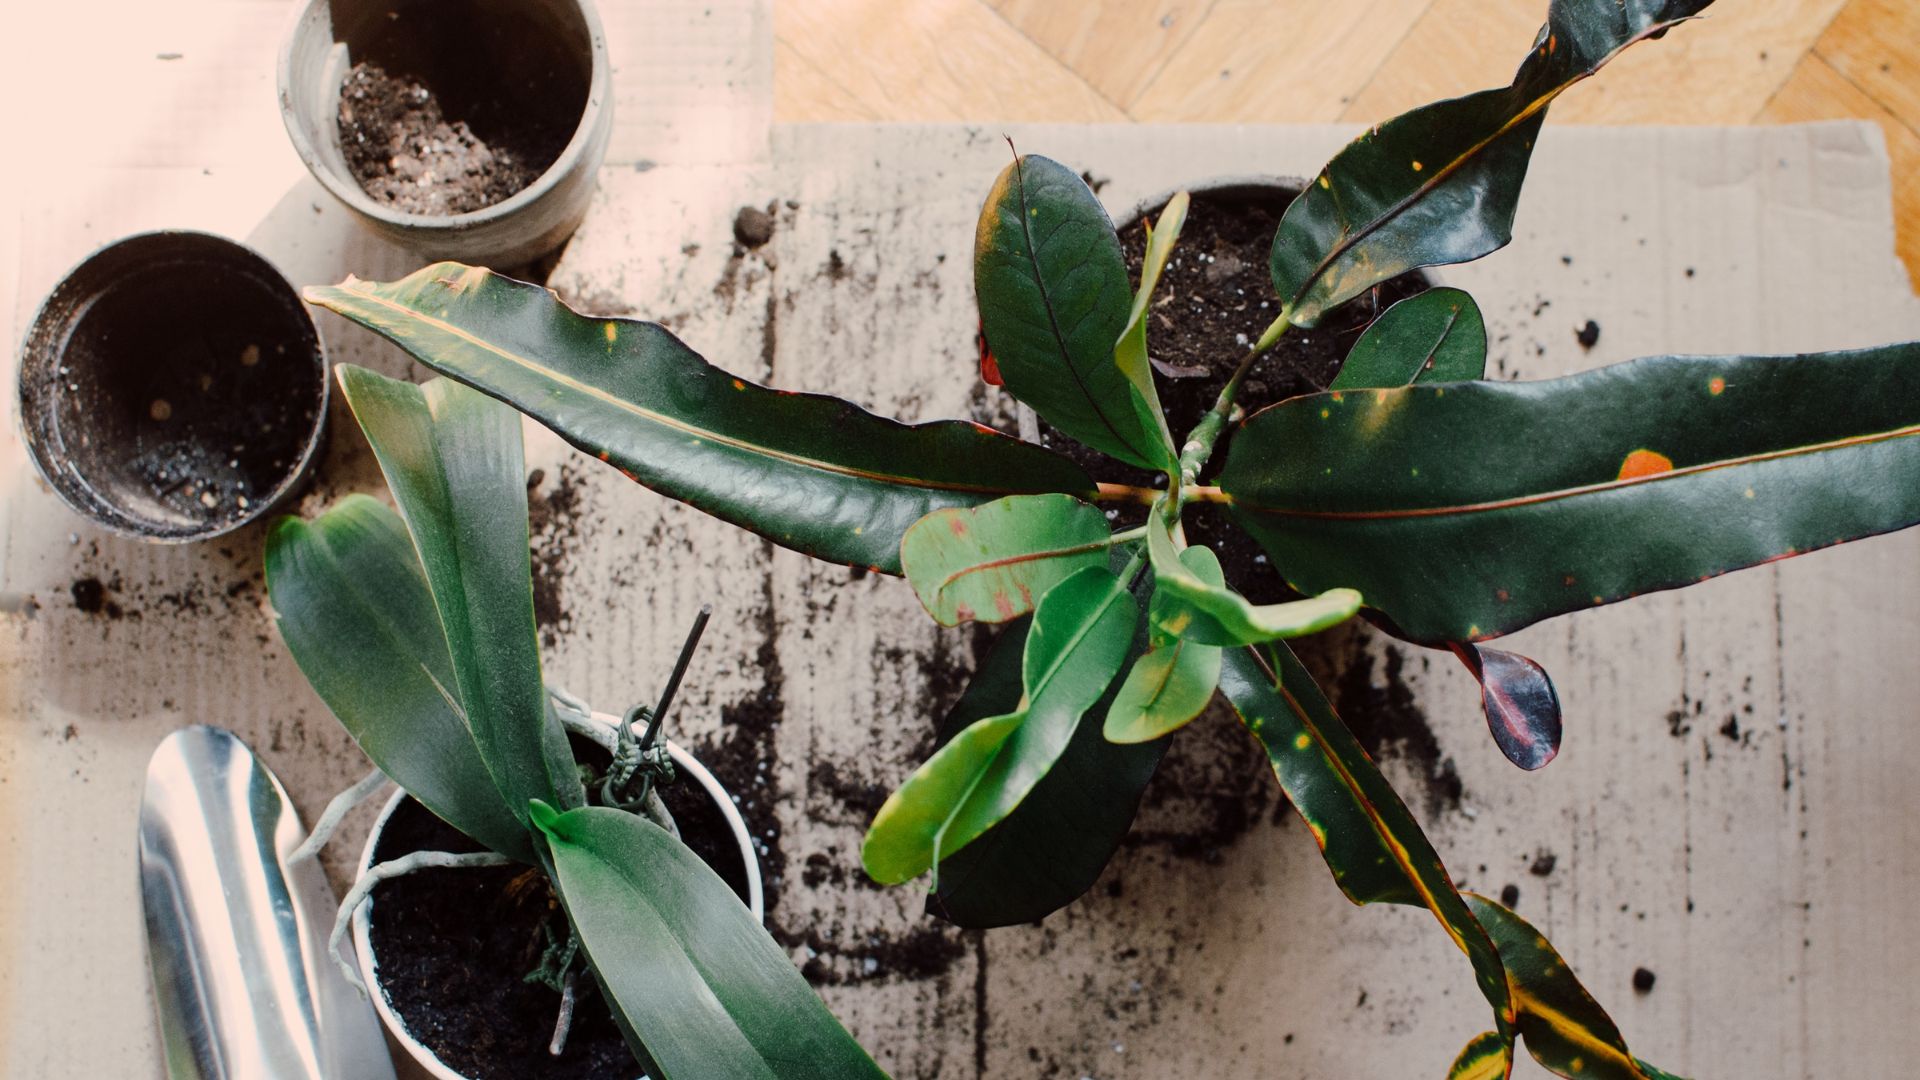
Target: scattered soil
<point x="1388" y="722"/>
<point x="454" y="945"/>
<point x="407" y="154"/>
<point x="553" y="526"/>
<point x="1510" y="896"/>
<point x="1589" y="335"/>
<point x="1642" y="980"/>
<point x="1213" y="301"/>
<point x="752" y="226"/>
<point x="1543" y="864"/>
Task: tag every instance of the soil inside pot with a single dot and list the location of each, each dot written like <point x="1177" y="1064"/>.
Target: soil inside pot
<point x="451" y="107"/>
<point x="453" y="946"/>
<point x="406" y="154"/>
<point x="1213" y="301"/>
<point x="186" y="394"/>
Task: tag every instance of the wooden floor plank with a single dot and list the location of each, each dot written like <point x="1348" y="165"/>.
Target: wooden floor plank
<point x="930" y="60"/>
<point x="1819" y="91"/>
<point x="1117" y="46"/>
<point x="1876" y="45"/>
<point x="1268" y="61"/>
<point x="1718" y="71"/>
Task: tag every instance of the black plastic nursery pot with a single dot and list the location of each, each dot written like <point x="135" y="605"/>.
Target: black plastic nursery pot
<point x="172" y="387"/>
<point x="446" y="950"/>
<point x="461" y="129"/>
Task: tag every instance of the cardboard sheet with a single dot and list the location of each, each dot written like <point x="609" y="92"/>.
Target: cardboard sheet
<point x="1732" y="808"/>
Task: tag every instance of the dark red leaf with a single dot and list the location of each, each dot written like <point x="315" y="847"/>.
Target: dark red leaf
<point x="1522" y="707"/>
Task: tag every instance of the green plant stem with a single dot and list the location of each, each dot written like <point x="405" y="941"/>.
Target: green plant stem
<point x="1200" y="441"/>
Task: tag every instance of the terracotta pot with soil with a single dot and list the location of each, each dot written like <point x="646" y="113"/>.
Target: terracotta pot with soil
<point x="172" y="387"/>
<point x="446" y="950"/>
<point x="462" y="129"/>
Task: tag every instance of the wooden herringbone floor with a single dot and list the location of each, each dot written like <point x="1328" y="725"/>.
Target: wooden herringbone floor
<point x="1277" y="61"/>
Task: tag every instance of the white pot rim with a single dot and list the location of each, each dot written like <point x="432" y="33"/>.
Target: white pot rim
<point x="362" y="918"/>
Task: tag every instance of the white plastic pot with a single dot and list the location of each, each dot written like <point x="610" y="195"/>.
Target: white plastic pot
<point x="370" y="964"/>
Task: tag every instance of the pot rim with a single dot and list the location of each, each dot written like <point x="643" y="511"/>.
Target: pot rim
<point x="599" y="98"/>
<point x="362" y="918"/>
<point x="295" y="476"/>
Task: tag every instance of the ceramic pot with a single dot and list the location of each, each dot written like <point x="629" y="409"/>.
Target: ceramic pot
<point x="496" y="64"/>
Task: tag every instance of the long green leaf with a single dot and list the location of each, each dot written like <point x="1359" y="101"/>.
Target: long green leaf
<point x="1131" y="353"/>
<point x="704" y="988"/>
<point x="1435" y="336"/>
<point x="1378" y="854"/>
<point x="1172" y="681"/>
<point x="1366" y="834"/>
<point x="989" y="562"/>
<point x="1079" y="639"/>
<point x="1562" y="1026"/>
<point x="1213" y="614"/>
<point x="1054" y="301"/>
<point x="1053" y="846"/>
<point x="351" y="602"/>
<point x="1439" y="184"/>
<point x="1467" y="510"/>
<point x="454" y="462"/>
<point x="812" y="473"/>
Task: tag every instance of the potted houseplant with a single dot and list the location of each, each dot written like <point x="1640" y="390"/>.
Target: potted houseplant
<point x="551" y="825"/>
<point x="1445" y="508"/>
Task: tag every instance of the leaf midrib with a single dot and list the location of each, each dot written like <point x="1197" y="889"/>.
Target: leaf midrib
<point x="1380" y="221"/>
<point x="1584" y="489"/>
<point x="670" y="422"/>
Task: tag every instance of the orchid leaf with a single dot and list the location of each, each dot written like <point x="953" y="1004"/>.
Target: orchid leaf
<point x="1467" y="510"/>
<point x="1435" y="336"/>
<point x="351" y="602"/>
<point x="1213" y="614"/>
<point x="1079" y="639"/>
<point x="1054" y="302"/>
<point x="1053" y="846"/>
<point x="701" y="985"/>
<point x="1521" y="705"/>
<point x="454" y="462"/>
<point x="1439" y="184"/>
<point x="808" y="472"/>
<point x="989" y="562"/>
<point x="1172" y="681"/>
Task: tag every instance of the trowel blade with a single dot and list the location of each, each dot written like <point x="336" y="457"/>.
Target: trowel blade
<point x="236" y="937"/>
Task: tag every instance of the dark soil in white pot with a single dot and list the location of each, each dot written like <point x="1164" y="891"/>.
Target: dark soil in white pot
<point x="454" y="945"/>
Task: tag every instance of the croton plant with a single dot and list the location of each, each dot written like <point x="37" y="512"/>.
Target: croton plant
<point x="1444" y="508"/>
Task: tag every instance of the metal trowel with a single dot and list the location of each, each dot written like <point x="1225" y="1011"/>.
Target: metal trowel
<point x="236" y="937"/>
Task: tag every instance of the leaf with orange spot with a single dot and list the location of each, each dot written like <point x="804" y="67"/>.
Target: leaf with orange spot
<point x="990" y="562"/>
<point x="1466" y="511"/>
<point x="1643" y="463"/>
